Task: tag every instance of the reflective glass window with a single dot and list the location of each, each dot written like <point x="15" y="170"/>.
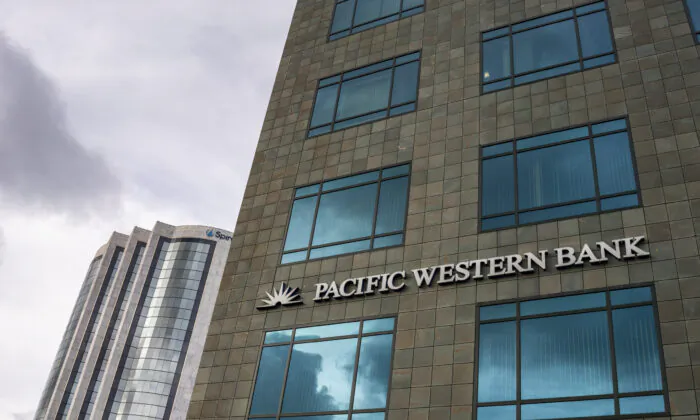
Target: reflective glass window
<point x="366" y="94"/>
<point x="337" y="368"/>
<point x="693" y="8"/>
<point x="583" y="355"/>
<point x="566" y="173"/>
<point x="352" y="16"/>
<point x="549" y="46"/>
<point x="160" y="331"/>
<point x="350" y="214"/>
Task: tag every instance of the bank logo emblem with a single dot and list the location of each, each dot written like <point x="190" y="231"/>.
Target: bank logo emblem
<point x="285" y="296"/>
<point x="210" y="233"/>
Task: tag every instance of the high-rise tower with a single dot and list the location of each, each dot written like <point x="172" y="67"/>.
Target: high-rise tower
<point x="136" y="334"/>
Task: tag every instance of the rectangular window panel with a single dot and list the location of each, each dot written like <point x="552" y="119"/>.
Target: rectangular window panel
<point x="331" y="371"/>
<point x="566" y="173"/>
<point x="560" y="43"/>
<point x="693" y="9"/>
<point x="602" y="358"/>
<point x="346" y="215"/>
<point x="352" y="16"/>
<point x="366" y="94"/>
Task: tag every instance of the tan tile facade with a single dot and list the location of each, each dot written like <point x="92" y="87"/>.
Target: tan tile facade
<point x="656" y="83"/>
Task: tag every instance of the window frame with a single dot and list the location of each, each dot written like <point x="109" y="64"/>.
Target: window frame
<point x="590" y="138"/>
<point x="342" y="79"/>
<point x="580" y="59"/>
<point x="413" y="11"/>
<point x="371" y="237"/>
<point x="609" y="309"/>
<point x="360" y="335"/>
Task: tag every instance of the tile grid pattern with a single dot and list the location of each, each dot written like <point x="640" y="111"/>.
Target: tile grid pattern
<point x="656" y="83"/>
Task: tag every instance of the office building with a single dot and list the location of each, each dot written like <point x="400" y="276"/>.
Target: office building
<point x="468" y="209"/>
<point x="136" y="334"/>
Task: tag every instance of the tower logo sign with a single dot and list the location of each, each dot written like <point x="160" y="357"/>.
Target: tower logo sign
<point x="218" y="235"/>
<point x="461" y="272"/>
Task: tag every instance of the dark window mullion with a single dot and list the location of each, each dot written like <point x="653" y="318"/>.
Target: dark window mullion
<point x="512" y="62"/>
<point x="594" y="168"/>
<point x="286" y="372"/>
<point x="354" y="12"/>
<point x="376" y="211"/>
<point x="313" y="226"/>
<point x="356" y="369"/>
<point x="518" y="350"/>
<point x="613" y="359"/>
<point x="516" y="204"/>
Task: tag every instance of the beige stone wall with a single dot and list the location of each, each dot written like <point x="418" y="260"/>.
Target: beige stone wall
<point x="656" y="83"/>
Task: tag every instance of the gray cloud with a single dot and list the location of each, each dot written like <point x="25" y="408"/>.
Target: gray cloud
<point x="41" y="163"/>
<point x="23" y="416"/>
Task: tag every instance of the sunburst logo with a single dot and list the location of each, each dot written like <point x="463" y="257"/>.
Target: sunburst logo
<point x="285" y="296"/>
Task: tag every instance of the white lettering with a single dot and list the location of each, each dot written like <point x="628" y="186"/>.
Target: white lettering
<point x="513" y="264"/>
<point x="496" y="266"/>
<point x="344" y="287"/>
<point x="607" y="249"/>
<point x="565" y="256"/>
<point x="390" y="282"/>
<point x="477" y="268"/>
<point x="631" y="249"/>
<point x="463" y="271"/>
<point x="586" y="253"/>
<point x="540" y="262"/>
<point x="446" y="274"/>
<point x="424" y="276"/>
<point x="320" y="288"/>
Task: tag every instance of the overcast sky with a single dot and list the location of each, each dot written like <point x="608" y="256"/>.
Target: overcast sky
<point x="115" y="114"/>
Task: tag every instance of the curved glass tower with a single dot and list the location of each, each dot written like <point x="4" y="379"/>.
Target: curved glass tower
<point x="135" y="338"/>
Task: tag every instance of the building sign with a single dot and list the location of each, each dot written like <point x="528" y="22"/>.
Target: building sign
<point x="464" y="271"/>
<point x="218" y="235"/>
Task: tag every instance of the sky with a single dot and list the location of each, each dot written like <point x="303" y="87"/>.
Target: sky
<point x="115" y="114"/>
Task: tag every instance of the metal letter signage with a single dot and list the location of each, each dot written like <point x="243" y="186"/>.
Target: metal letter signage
<point x="620" y="249"/>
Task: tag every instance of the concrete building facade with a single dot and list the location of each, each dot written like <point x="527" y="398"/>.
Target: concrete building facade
<point x="136" y="334"/>
<point x="467" y="337"/>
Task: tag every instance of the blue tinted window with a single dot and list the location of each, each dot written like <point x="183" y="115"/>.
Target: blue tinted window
<point x="373" y="372"/>
<point x="555" y="175"/>
<point x="573" y="356"/>
<point x="338" y="371"/>
<point x="497" y="356"/>
<point x="392" y="206"/>
<point x="596" y="40"/>
<point x="546" y="47"/>
<point x="566" y="173"/>
<point x="378" y="325"/>
<point x="625" y="296"/>
<point x="300" y="223"/>
<point x="641" y="405"/>
<point x="405" y="87"/>
<point x="551" y="346"/>
<point x="327" y="331"/>
<point x="635" y="338"/>
<point x="694" y="11"/>
<point x="562" y="304"/>
<point x="496" y="59"/>
<point x="344" y="215"/>
<point x="571" y="409"/>
<point x="498" y="194"/>
<point x="318" y="379"/>
<point x="278" y="337"/>
<point x="268" y="386"/>
<point x="366" y="94"/>
<point x="614" y="164"/>
<point x="497" y="311"/>
<point x="352" y="16"/>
